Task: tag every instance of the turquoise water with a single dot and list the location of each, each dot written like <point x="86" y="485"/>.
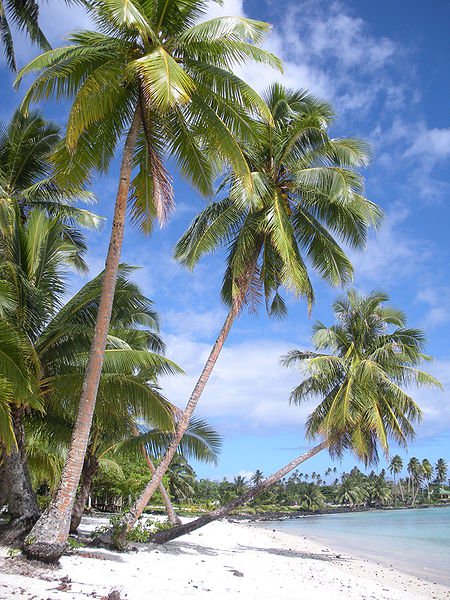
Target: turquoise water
<point x="414" y="541"/>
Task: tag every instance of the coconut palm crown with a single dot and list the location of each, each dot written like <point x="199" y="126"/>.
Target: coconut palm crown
<point x="307" y="194"/>
<point x="158" y="62"/>
<point x="361" y="383"/>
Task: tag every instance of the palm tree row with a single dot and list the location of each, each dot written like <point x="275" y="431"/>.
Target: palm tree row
<point x="161" y="79"/>
<point x="298" y="492"/>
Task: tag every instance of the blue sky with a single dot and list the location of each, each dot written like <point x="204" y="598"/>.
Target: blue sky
<point x="384" y="67"/>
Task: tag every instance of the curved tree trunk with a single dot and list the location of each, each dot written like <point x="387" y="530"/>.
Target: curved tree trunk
<point x="20" y="497"/>
<point x="174" y="519"/>
<point x="48" y="538"/>
<point x="166" y="536"/>
<point x="90" y="467"/>
<point x="138" y="507"/>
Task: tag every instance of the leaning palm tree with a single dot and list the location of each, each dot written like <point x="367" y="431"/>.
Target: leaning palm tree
<point x="158" y="76"/>
<point x="359" y="384"/>
<point x="24" y="16"/>
<point x="396" y="467"/>
<point x="306" y="194"/>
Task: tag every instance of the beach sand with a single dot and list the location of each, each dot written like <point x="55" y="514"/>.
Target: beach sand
<point x="222" y="560"/>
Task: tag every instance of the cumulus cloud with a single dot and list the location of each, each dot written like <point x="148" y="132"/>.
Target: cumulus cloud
<point x="392" y="255"/>
<point x="429" y="143"/>
<point x="248" y="390"/>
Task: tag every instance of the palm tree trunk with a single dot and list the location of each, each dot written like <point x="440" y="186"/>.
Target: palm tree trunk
<point x="166" y="536"/>
<point x="174" y="519"/>
<point x="48" y="537"/>
<point x="90" y="467"/>
<point x="138" y="507"/>
<point x="20" y="497"/>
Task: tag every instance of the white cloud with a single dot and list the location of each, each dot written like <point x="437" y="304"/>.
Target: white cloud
<point x="327" y="50"/>
<point x="391" y="255"/>
<point x="438" y="311"/>
<point x="248" y="390"/>
<point x="429" y="144"/>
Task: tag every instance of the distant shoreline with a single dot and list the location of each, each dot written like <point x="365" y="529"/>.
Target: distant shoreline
<point x="283" y="516"/>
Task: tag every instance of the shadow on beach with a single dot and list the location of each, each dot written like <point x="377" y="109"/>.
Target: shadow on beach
<point x="180" y="548"/>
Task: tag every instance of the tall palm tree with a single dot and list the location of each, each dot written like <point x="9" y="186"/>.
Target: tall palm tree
<point x="359" y="386"/>
<point x="24" y="16"/>
<point x="427" y="470"/>
<point x="156" y="75"/>
<point x="306" y="190"/>
<point x="441" y="470"/>
<point x="415" y="473"/>
<point x="395" y="468"/>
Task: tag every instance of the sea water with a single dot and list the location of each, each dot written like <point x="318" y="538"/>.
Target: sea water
<point x="416" y="541"/>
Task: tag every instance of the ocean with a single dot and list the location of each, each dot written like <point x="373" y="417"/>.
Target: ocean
<point x="415" y="541"/>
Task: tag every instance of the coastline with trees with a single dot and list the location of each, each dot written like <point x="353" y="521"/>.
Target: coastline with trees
<point x="94" y="453"/>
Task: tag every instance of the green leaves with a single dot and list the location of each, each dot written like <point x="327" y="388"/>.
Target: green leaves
<point x="362" y="403"/>
<point x="165" y="83"/>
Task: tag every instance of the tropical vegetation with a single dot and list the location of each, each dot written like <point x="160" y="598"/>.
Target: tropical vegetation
<point x="84" y="420"/>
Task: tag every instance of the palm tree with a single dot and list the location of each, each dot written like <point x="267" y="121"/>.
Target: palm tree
<point x="34" y="256"/>
<point x="28" y="178"/>
<point x="312" y="497"/>
<point x="378" y="491"/>
<point x="257" y="477"/>
<point x="395" y="468"/>
<point x="156" y="75"/>
<point x="181" y="479"/>
<point x="415" y="473"/>
<point x="351" y="492"/>
<point x="441" y="470"/>
<point x="239" y="484"/>
<point x="359" y="387"/>
<point x="24" y="15"/>
<point x="56" y="339"/>
<point x="427" y="470"/>
<point x="305" y="190"/>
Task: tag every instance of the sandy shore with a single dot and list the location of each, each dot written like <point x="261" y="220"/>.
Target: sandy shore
<point x="223" y="560"/>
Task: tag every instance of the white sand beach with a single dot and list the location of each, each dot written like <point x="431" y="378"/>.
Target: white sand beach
<point x="223" y="560"/>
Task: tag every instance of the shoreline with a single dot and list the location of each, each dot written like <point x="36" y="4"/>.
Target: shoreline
<point x="338" y="510"/>
<point x="222" y="560"/>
